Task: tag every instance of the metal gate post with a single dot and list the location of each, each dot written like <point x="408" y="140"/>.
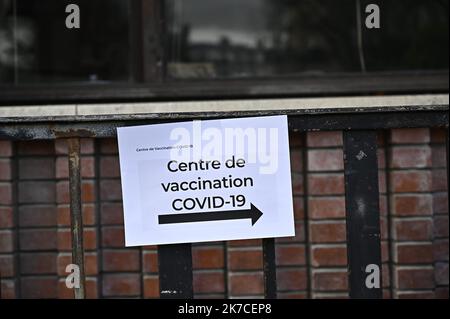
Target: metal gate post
<point x="363" y="214"/>
<point x="76" y="217"/>
<point x="175" y="271"/>
<point x="270" y="270"/>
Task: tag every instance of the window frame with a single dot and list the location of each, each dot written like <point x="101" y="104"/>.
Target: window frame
<point x="147" y="28"/>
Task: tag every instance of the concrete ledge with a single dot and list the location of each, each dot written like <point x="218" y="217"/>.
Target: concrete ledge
<point x="323" y="105"/>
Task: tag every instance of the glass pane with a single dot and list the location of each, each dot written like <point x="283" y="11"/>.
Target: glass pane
<point x="259" y="38"/>
<point x="36" y="46"/>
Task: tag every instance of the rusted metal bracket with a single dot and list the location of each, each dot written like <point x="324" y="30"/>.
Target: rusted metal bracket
<point x="76" y="217"/>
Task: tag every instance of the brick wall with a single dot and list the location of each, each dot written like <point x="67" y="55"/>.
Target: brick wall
<point x="35" y="243"/>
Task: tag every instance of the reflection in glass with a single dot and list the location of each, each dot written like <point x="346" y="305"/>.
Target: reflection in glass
<point x="254" y="38"/>
<point x="36" y="46"/>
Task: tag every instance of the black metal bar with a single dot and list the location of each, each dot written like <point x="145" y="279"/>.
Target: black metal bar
<point x="106" y="126"/>
<point x="175" y="271"/>
<point x="270" y="269"/>
<point x="76" y="217"/>
<point x="363" y="214"/>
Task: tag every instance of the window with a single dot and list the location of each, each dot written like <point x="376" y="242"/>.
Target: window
<point x="145" y="49"/>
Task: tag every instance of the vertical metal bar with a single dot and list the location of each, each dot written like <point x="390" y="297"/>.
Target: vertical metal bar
<point x="270" y="270"/>
<point x="175" y="271"/>
<point x="76" y="217"/>
<point x="363" y="214"/>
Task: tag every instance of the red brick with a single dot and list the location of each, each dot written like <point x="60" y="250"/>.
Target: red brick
<point x="111" y="213"/>
<point x="7" y="266"/>
<point x="41" y="147"/>
<point x="324" y="138"/>
<point x="87" y="192"/>
<point x="65" y="239"/>
<point x="415" y="278"/>
<point x="299" y="208"/>
<point x="151" y="287"/>
<point x="109" y="166"/>
<point x="86" y="146"/>
<point x="150" y="261"/>
<point x="245" y="243"/>
<point x="109" y="146"/>
<point x="329" y="256"/>
<point x="384" y="228"/>
<point x="245" y="259"/>
<point x="439" y="156"/>
<point x="441" y="273"/>
<point x="385" y="276"/>
<point x="290" y="255"/>
<point x="326" y="184"/>
<point x="440" y="203"/>
<point x="38" y="263"/>
<point x="382" y="182"/>
<point x="87" y="167"/>
<point x="5" y="148"/>
<point x="299" y="235"/>
<point x="385" y="249"/>
<point x="36" y="192"/>
<point x="39" y="287"/>
<point x="412" y="229"/>
<point x="68" y="293"/>
<point x="295" y="139"/>
<point x="330" y="280"/>
<point x="207" y="257"/>
<point x="410" y="136"/>
<point x="90" y="263"/>
<point x="250" y="284"/>
<point x="439" y="182"/>
<point x="381" y="158"/>
<point x="291" y="279"/>
<point x="5" y="170"/>
<point x="6" y="241"/>
<point x="325" y="160"/>
<point x="440" y="226"/>
<point x="88" y="211"/>
<point x="330" y="295"/>
<point x="415" y="295"/>
<point x="410" y="157"/>
<point x="296" y="161"/>
<point x="329" y="232"/>
<point x="7" y="288"/>
<point x="121" y="260"/>
<point x="6" y="217"/>
<point x="440" y="249"/>
<point x="411" y="181"/>
<point x="438" y="135"/>
<point x="413" y="205"/>
<point x="326" y="207"/>
<point x="36" y="168"/>
<point x="121" y="285"/>
<point x="292" y="295"/>
<point x="38" y="239"/>
<point x="383" y="205"/>
<point x="209" y="282"/>
<point x="110" y="190"/>
<point x="407" y="253"/>
<point x="297" y="184"/>
<point x="5" y="194"/>
<point x="37" y="215"/>
<point x="113" y="237"/>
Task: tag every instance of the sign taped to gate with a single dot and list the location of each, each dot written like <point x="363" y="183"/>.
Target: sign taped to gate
<point x="204" y="181"/>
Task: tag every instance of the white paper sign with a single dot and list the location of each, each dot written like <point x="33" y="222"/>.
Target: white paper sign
<point x="206" y="181"/>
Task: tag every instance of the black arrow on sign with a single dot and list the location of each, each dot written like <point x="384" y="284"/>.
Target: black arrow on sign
<point x="253" y="213"/>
